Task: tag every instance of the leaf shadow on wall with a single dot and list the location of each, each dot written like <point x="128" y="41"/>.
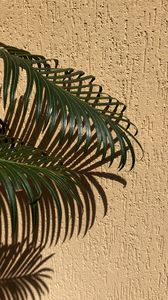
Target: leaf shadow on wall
<point x="21" y="273"/>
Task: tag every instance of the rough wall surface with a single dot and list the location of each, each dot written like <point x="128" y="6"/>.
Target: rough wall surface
<point x="124" y="44"/>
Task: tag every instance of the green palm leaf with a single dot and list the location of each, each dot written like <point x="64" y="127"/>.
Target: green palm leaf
<point x="52" y="133"/>
<point x="42" y="187"/>
<point x="63" y="103"/>
<point x="27" y="169"/>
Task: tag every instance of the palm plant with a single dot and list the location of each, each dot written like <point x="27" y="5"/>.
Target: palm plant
<point x="57" y="127"/>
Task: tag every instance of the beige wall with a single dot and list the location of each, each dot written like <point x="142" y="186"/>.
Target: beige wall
<point x="124" y="43"/>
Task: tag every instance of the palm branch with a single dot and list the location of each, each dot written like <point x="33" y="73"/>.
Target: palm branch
<point x="53" y="136"/>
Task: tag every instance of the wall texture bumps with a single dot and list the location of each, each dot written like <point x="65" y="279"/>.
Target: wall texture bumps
<point x="124" y="44"/>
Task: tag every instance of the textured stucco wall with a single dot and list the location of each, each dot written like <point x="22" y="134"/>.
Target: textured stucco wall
<point x="124" y="43"/>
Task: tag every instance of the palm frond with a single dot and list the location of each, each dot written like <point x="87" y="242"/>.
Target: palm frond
<point x="42" y="188"/>
<point x="53" y="135"/>
<point x="56" y="102"/>
<point x="27" y="169"/>
<point x="22" y="272"/>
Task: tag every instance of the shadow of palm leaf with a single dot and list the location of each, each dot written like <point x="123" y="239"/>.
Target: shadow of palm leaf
<point x="53" y="139"/>
<point x="22" y="272"/>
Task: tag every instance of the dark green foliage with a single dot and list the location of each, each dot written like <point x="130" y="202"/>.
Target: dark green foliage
<point x="53" y="135"/>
